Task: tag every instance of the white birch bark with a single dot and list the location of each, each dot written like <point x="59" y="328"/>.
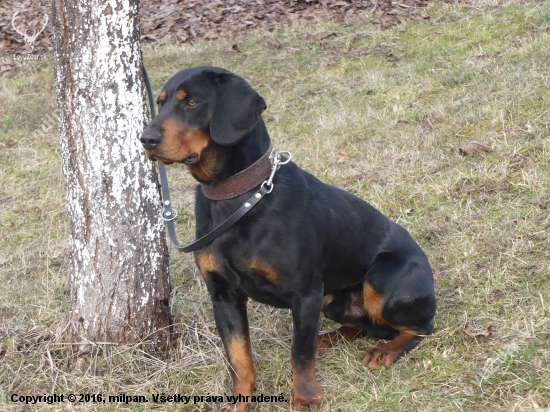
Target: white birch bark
<point x="119" y="287"/>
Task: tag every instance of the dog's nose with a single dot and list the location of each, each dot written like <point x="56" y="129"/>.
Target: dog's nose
<point x="150" y="139"/>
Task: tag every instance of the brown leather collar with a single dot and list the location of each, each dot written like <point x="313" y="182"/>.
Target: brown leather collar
<point x="242" y="182"/>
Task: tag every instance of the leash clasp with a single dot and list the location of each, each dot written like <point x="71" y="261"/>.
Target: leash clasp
<point x="276" y="162"/>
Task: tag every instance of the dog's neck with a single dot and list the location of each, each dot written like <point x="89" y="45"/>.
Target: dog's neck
<point x="234" y="159"/>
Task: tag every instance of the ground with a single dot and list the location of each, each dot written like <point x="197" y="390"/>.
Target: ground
<point x="382" y="113"/>
<point x="182" y="21"/>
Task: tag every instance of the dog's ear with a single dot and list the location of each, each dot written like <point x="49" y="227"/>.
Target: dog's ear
<point x="237" y="110"/>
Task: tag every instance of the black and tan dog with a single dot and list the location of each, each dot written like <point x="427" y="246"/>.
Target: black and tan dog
<point x="306" y="246"/>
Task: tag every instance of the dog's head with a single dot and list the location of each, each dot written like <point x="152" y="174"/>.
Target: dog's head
<point x="198" y="109"/>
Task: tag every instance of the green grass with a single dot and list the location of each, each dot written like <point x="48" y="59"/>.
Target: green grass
<point x="381" y="114"/>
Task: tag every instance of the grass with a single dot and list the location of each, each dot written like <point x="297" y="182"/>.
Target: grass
<point x="379" y="113"/>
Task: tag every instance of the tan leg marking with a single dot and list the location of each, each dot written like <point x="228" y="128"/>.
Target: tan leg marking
<point x="346" y="333"/>
<point x="242" y="370"/>
<point x="388" y="353"/>
<point x="306" y="390"/>
<point x="373" y="302"/>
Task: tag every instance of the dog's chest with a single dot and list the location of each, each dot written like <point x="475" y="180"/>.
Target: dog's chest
<point x="256" y="276"/>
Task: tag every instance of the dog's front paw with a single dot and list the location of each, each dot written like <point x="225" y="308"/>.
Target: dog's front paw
<point x="381" y="355"/>
<point x="307" y="396"/>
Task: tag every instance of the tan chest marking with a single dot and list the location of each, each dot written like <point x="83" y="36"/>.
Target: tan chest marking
<point x="264" y="269"/>
<point x="208" y="263"/>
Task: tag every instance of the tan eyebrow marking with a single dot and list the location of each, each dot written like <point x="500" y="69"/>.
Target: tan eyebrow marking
<point x="181" y="95"/>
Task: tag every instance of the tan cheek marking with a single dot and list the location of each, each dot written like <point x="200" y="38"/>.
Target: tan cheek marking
<point x="240" y="358"/>
<point x="264" y="269"/>
<point x="181" y="95"/>
<point x="205" y="170"/>
<point x="162" y="97"/>
<point x="180" y="141"/>
<point x="374" y="302"/>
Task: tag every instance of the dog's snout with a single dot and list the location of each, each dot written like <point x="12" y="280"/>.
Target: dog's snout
<point x="150" y="139"/>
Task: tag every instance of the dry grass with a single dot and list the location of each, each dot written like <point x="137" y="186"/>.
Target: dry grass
<point x="381" y="114"/>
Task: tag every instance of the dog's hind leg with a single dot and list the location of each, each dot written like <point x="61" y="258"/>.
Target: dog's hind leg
<point x="347" y="308"/>
<point x="400" y="294"/>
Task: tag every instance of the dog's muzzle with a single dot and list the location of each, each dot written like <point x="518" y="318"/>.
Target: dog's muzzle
<point x="150" y="139"/>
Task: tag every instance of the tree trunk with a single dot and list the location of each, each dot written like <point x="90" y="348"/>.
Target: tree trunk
<point x="119" y="285"/>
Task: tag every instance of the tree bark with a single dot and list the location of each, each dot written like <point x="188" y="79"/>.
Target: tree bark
<point x="119" y="284"/>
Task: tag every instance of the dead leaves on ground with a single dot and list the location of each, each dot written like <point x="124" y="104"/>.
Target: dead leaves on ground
<point x="185" y="21"/>
<point x="189" y="20"/>
<point x="195" y="19"/>
<point x="29" y="20"/>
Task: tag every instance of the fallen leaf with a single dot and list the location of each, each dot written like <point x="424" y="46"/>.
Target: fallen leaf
<point x="275" y="43"/>
<point x="342" y="157"/>
<point x="475" y="147"/>
<point x="442" y="231"/>
<point x="320" y="36"/>
<point x="479" y="334"/>
<point x="327" y="44"/>
<point x="392" y="58"/>
<point x="211" y="35"/>
<point x="542" y="205"/>
<point x="386" y="20"/>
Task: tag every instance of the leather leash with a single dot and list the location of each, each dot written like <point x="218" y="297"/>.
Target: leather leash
<point x="169" y="213"/>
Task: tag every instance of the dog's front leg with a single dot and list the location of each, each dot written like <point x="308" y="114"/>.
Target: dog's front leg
<point x="305" y="314"/>
<point x="232" y="323"/>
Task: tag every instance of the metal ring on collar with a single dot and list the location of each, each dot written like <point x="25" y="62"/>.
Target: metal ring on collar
<point x="287" y="154"/>
<point x="271" y="185"/>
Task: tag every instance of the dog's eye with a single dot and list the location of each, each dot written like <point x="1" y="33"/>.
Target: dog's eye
<point x="192" y="103"/>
